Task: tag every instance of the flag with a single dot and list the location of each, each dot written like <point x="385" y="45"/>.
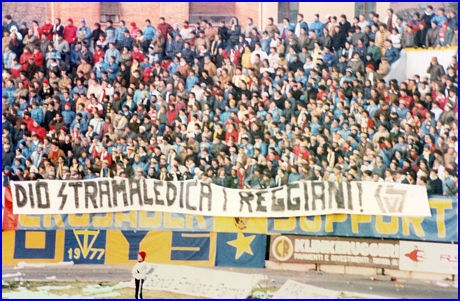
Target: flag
<point x="241" y="250"/>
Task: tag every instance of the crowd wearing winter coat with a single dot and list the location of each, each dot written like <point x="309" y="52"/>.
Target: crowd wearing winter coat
<point x="234" y="105"/>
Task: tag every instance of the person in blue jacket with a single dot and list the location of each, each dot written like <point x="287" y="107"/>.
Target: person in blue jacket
<point x="68" y="115"/>
<point x="440" y="17"/>
<point x="317" y="26"/>
<point x="126" y="41"/>
<point x="112" y="69"/>
<point x="83" y="33"/>
<point x="112" y="51"/>
<point x="100" y="67"/>
<point x="233" y="33"/>
<point x="329" y="57"/>
<point x="37" y="113"/>
<point x="149" y="31"/>
<point x="299" y="25"/>
<point x="110" y="32"/>
<point x="119" y="34"/>
<point x="391" y="53"/>
<point x="285" y="27"/>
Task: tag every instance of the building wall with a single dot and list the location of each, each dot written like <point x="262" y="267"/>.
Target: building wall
<point x="309" y="9"/>
<point x="177" y="12"/>
<point x="140" y="11"/>
<point x="245" y="10"/>
<point x="137" y="12"/>
<point x="25" y="11"/>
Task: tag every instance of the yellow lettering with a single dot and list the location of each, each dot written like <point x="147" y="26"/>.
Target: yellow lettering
<point x="201" y="222"/>
<point x="284" y="224"/>
<point x="390" y="227"/>
<point x="440" y="205"/>
<point x="79" y="220"/>
<point x="57" y="219"/>
<point x="121" y="217"/>
<point x="310" y="225"/>
<point x="104" y="221"/>
<point x="358" y="219"/>
<point x="334" y="218"/>
<point x="150" y="222"/>
<point x="29" y="220"/>
<point x="173" y="222"/>
<point x="416" y="224"/>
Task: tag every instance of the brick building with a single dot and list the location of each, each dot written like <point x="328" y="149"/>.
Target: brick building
<point x="177" y="12"/>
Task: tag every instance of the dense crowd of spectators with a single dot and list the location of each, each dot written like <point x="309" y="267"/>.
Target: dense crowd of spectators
<point x="232" y="104"/>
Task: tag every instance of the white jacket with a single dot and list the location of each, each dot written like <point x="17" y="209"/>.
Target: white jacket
<point x="139" y="270"/>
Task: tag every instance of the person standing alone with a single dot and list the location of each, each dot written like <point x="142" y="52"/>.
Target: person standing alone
<point x="139" y="271"/>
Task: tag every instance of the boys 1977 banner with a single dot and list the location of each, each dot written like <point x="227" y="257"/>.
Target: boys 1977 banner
<point x="304" y="198"/>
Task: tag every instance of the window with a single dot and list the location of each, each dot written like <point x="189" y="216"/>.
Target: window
<point x="364" y="8"/>
<point x="110" y="11"/>
<point x="288" y="10"/>
<point x="214" y="12"/>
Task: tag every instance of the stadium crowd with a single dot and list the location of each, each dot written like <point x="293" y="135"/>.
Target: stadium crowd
<point x="232" y="104"/>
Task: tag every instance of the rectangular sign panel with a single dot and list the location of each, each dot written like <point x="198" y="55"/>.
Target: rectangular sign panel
<point x="335" y="251"/>
<point x="429" y="257"/>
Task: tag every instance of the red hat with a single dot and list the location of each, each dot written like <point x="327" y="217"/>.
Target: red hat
<point x="52" y="127"/>
<point x="68" y="105"/>
<point x="422" y="23"/>
<point x="45" y="81"/>
<point x="142" y="254"/>
<point x="151" y="148"/>
<point x="445" y="23"/>
<point x="370" y="66"/>
<point x="70" y="20"/>
<point x="64" y="129"/>
<point x="133" y="24"/>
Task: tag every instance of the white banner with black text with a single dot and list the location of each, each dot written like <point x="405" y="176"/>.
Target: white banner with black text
<point x="304" y="198"/>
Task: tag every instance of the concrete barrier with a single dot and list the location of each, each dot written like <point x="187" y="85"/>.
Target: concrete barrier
<point x="352" y="270"/>
<point x="416" y="61"/>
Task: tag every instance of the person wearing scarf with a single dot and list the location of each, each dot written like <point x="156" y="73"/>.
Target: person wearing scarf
<point x="57" y="30"/>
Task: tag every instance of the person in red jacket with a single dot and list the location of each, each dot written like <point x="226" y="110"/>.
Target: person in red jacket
<point x="70" y="33"/>
<point x="47" y="29"/>
<point x="39" y="59"/>
<point x="164" y="27"/>
<point x="16" y="68"/>
<point x="418" y="108"/>
<point x="146" y="74"/>
<point x="137" y="54"/>
<point x="172" y="113"/>
<point x="134" y="30"/>
<point x="98" y="54"/>
<point x="231" y="132"/>
<point x="301" y="148"/>
<point x="37" y="129"/>
<point x="24" y="59"/>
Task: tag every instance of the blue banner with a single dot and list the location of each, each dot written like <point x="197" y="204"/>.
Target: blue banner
<point x="190" y="247"/>
<point x="34" y="245"/>
<point x="440" y="227"/>
<point x="241" y="250"/>
<point x="85" y="246"/>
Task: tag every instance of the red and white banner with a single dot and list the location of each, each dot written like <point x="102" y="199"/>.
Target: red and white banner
<point x="428" y="257"/>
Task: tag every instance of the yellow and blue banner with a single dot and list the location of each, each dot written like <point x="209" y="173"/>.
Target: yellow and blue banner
<point x="241" y="250"/>
<point x="441" y="226"/>
<point x="121" y="247"/>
